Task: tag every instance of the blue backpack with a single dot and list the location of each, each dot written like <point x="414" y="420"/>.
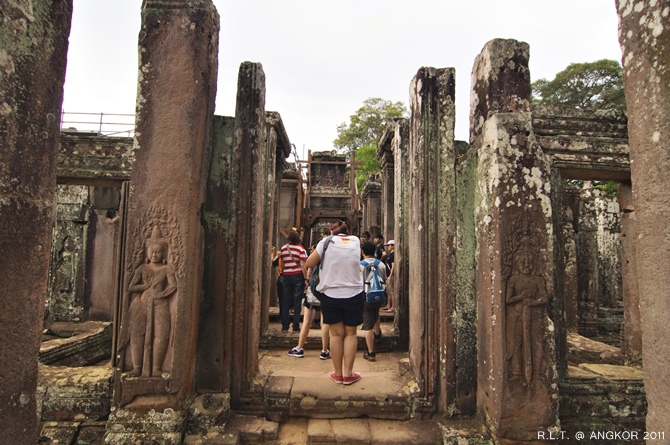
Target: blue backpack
<point x="375" y="291"/>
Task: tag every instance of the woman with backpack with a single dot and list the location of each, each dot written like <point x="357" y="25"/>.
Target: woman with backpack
<point x="343" y="298"/>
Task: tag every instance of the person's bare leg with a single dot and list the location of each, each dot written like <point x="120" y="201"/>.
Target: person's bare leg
<point x="378" y="326"/>
<point x="325" y="337"/>
<point x="306" y="324"/>
<point x="350" y="345"/>
<point x="370" y="340"/>
<point x="337" y="346"/>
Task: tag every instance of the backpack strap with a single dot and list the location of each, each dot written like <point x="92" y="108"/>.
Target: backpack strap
<point x="325" y="247"/>
<point x="374" y="273"/>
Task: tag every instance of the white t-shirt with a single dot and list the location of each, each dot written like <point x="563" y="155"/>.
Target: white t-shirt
<point x="340" y="271"/>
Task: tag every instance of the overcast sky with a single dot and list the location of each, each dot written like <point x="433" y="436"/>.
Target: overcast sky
<point x="322" y="59"/>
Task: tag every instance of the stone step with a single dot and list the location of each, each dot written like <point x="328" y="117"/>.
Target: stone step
<point x="302" y="387"/>
<point x="296" y="431"/>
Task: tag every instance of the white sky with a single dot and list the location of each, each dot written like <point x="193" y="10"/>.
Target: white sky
<point x="322" y="59"/>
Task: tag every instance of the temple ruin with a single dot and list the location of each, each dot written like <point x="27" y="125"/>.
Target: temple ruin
<point x="139" y="295"/>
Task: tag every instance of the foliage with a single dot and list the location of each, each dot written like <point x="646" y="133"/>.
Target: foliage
<point x="587" y="86"/>
<point x="361" y="133"/>
<point x="368" y="123"/>
<point x="611" y="188"/>
<point x="367" y="163"/>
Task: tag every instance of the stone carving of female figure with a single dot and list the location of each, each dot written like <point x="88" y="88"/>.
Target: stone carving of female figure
<point x="153" y="283"/>
<point x="525" y="291"/>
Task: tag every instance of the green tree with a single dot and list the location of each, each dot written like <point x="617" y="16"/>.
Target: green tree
<point x="587" y="86"/>
<point x="367" y="124"/>
<point x="367" y="163"/>
<point x="361" y="133"/>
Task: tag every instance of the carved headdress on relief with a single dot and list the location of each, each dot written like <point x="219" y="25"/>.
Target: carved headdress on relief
<point x="158" y="226"/>
<point x="524" y="235"/>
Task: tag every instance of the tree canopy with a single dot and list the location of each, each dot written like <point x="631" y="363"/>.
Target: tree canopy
<point x="364" y="128"/>
<point x="587" y="86"/>
<point x="367" y="124"/>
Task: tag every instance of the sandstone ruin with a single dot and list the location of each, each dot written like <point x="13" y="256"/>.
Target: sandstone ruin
<point x="527" y="301"/>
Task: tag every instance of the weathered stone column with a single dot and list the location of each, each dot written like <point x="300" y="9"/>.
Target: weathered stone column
<point x="631" y="338"/>
<point x="371" y="197"/>
<point x="400" y="147"/>
<point x="277" y="148"/>
<point x="33" y="53"/>
<point x="163" y="262"/>
<point x="103" y="254"/>
<point x="644" y="36"/>
<point x="386" y="162"/>
<point x="432" y="203"/>
<point x="248" y="180"/>
<point x="213" y="364"/>
<point x="517" y="384"/>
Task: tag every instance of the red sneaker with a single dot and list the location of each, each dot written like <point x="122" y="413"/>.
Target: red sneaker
<point x="351" y="379"/>
<point x="337" y="378"/>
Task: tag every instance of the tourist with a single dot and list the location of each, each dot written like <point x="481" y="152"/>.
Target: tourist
<point x="371" y="322"/>
<point x="308" y="316"/>
<point x="342" y="302"/>
<point x="293" y="257"/>
<point x="380" y="253"/>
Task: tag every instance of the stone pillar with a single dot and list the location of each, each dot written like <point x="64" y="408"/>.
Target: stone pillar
<point x="569" y="198"/>
<point x="249" y="174"/>
<point x="400" y="147"/>
<point x="517" y="391"/>
<point x="587" y="264"/>
<point x="33" y="54"/>
<point x="219" y="216"/>
<point x="432" y="219"/>
<point x="631" y="338"/>
<point x="163" y="259"/>
<point x="386" y="162"/>
<point x="372" y="203"/>
<point x="103" y="253"/>
<point x="465" y="306"/>
<point x="68" y="260"/>
<point x="644" y="35"/>
<point x="276" y="146"/>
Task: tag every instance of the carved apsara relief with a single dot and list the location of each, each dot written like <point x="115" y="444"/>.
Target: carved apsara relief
<point x="155" y="271"/>
<point x="526" y="298"/>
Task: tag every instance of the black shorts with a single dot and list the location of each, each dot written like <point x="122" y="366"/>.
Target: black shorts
<point x="370" y="315"/>
<point x="346" y="310"/>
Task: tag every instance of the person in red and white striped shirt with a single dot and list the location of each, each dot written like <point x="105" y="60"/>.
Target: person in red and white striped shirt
<point x="293" y="257"/>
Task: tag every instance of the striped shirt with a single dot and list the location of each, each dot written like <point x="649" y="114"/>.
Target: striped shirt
<point x="289" y="266"/>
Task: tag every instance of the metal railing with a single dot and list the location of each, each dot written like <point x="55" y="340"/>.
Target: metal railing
<point x="99" y="124"/>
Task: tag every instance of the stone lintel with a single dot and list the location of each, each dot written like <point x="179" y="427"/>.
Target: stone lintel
<point x="95" y="160"/>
